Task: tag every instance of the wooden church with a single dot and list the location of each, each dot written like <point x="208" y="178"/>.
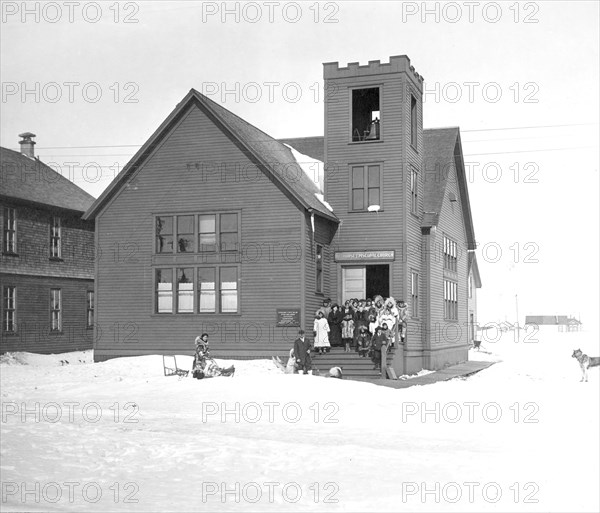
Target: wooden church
<point x="225" y="230"/>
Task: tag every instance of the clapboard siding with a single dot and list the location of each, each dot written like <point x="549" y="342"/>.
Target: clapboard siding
<point x="180" y="177"/>
<point x="33" y="243"/>
<point x="33" y="315"/>
<point x="450" y="336"/>
<point x="362" y="231"/>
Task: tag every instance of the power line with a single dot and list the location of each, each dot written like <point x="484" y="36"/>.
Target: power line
<point x="462" y="131"/>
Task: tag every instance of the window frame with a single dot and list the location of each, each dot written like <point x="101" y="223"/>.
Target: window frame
<point x="319" y="269"/>
<point x="450" y="300"/>
<point x="450" y="254"/>
<point x="197" y="248"/>
<point x="414" y="293"/>
<point x="56" y="239"/>
<point x="365" y="186"/>
<point x="9" y="233"/>
<point x="8" y="310"/>
<point x="351" y="90"/>
<point x="56" y="312"/>
<point x="414" y="190"/>
<point x="90" y="309"/>
<point x="218" y="290"/>
<point x="414" y="122"/>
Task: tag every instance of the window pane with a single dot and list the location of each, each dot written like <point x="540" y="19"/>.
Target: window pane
<point x="229" y="293"/>
<point x="208" y="236"/>
<point x="229" y="241"/>
<point x="374" y="197"/>
<point x="206" y="286"/>
<point x="229" y="222"/>
<point x="374" y="176"/>
<point x="185" y="290"/>
<point x="164" y="234"/>
<point x="358" y="199"/>
<point x="358" y="177"/>
<point x="164" y="285"/>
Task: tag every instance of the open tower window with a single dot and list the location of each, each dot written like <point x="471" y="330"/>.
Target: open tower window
<point x="366" y="114"/>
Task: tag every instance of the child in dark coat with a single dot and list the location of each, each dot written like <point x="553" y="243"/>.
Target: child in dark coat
<point x="363" y="341"/>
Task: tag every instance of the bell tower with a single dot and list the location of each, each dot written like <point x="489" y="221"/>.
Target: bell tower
<point x="374" y="154"/>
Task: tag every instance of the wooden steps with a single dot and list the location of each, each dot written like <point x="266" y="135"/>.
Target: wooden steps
<point x="353" y="366"/>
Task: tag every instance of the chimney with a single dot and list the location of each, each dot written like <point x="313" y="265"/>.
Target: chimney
<point x="27" y="144"/>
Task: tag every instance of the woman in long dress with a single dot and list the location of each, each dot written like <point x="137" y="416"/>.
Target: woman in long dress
<point x="321" y="333"/>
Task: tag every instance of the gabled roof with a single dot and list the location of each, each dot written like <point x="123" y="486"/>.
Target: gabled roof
<point x="442" y="149"/>
<point x="312" y="146"/>
<point x="270" y="155"/>
<point x="28" y="179"/>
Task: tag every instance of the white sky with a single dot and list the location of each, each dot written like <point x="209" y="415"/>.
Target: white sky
<point x="172" y="48"/>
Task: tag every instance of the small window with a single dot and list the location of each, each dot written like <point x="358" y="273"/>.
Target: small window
<point x="10" y="309"/>
<point x="470" y="286"/>
<point x="450" y="300"/>
<point x="319" y="266"/>
<point x="366" y="114"/>
<point x="450" y="254"/>
<point x="55" y="237"/>
<point x="185" y="234"/>
<point x="164" y="290"/>
<point x="90" y="309"/>
<point x="414" y="188"/>
<point x="10" y="230"/>
<point x="413" y="121"/>
<point x="164" y="234"/>
<point x="414" y="293"/>
<point x="365" y="186"/>
<point x="55" y="310"/>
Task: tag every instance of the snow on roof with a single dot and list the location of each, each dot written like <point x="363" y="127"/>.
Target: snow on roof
<point x="321" y="198"/>
<point x="313" y="168"/>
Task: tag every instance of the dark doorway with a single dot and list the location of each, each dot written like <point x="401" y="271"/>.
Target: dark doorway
<point x="378" y="280"/>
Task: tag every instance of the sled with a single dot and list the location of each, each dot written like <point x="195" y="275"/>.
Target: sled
<point x="391" y="373"/>
<point x="171" y="369"/>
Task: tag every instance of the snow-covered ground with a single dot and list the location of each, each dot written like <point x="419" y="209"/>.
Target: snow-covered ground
<point x="119" y="436"/>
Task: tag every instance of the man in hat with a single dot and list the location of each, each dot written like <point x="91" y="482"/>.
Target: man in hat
<point x="302" y="353"/>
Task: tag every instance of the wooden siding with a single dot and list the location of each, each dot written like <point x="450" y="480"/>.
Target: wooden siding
<point x="448" y="335"/>
<point x="33" y="243"/>
<point x="197" y="169"/>
<point x="368" y="230"/>
<point x="33" y="315"/>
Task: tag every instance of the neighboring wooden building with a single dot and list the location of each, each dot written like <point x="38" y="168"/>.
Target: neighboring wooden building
<point x="226" y="233"/>
<point x="561" y="322"/>
<point x="47" y="257"/>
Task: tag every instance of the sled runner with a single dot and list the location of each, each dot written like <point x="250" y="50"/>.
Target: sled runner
<point x="170" y="367"/>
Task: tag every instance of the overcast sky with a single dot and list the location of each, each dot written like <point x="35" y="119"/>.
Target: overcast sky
<point x="94" y="81"/>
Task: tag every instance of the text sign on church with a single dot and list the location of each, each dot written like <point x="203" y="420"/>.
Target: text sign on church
<point x="288" y="317"/>
<point x="351" y="256"/>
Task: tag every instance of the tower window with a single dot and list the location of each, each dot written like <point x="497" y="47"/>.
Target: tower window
<point x="366" y="114"/>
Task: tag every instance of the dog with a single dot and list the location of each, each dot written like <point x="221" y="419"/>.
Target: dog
<point x="584" y="362"/>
